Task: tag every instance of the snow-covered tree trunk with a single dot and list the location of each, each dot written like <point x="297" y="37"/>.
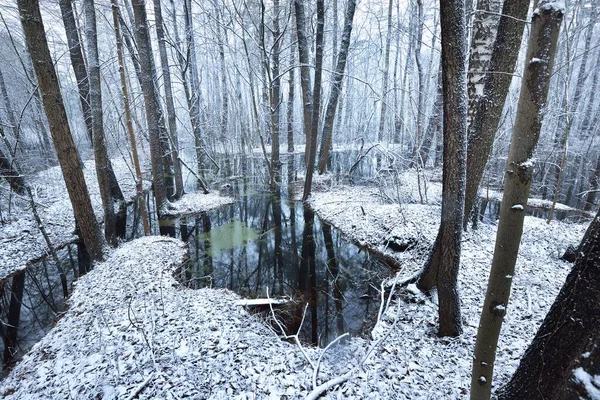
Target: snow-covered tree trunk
<point x="336" y="87"/>
<point x="171" y="116"/>
<point x="291" y="93"/>
<point x="441" y="268"/>
<point x="568" y="331"/>
<point x="33" y="29"/>
<point x="482" y="129"/>
<point x="545" y="26"/>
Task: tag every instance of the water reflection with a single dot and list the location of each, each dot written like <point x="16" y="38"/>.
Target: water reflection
<point x="266" y="244"/>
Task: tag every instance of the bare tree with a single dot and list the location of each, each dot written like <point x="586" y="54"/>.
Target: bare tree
<point x="488" y="113"/>
<point x="78" y="64"/>
<point x="311" y="144"/>
<point x="171" y="117"/>
<point x="154" y="116"/>
<point x="336" y="86"/>
<point x="110" y="192"/>
<point x="386" y="71"/>
<point x="545" y="26"/>
<point x="128" y="118"/>
<point x="35" y="38"/>
<point x="441" y="268"/>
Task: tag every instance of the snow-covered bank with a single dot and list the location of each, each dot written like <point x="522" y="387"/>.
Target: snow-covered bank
<point x="133" y="328"/>
<point x="20" y="239"/>
<point x="413" y="360"/>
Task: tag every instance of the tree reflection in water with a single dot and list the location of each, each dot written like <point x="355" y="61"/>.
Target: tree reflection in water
<point x="252" y="247"/>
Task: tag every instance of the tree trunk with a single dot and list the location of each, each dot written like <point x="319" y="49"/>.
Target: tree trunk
<point x="292" y="86"/>
<point x="193" y="98"/>
<point x="489" y="106"/>
<point x="13" y="318"/>
<point x="441" y="269"/>
<point x="275" y="97"/>
<point x="78" y="64"/>
<point x="336" y="87"/>
<point x="130" y="131"/>
<point x="545" y="26"/>
<point x="154" y="117"/>
<point x="568" y="330"/>
<point x="171" y="116"/>
<point x="316" y="105"/>
<point x="103" y="164"/>
<point x="10" y="172"/>
<point x="37" y="44"/>
<point x="303" y="56"/>
<point x="435" y="120"/>
<point x="485" y="26"/>
<point x="386" y="68"/>
<point x="594" y="185"/>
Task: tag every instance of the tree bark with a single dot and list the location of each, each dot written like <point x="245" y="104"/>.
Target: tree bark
<point x="316" y="96"/>
<point x="568" y="330"/>
<point x="10" y="172"/>
<point x="128" y="117"/>
<point x="336" y="87"/>
<point x="303" y="56"/>
<point x="154" y="116"/>
<point x="171" y="116"/>
<point x="386" y="68"/>
<point x="78" y="64"/>
<point x="441" y="269"/>
<point x="485" y="27"/>
<point x="103" y="164"/>
<point x="545" y="26"/>
<point x="489" y="106"/>
<point x="33" y="28"/>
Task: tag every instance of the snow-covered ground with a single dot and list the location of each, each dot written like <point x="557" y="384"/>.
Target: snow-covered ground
<point x="132" y="329"/>
<point x="20" y="239"/>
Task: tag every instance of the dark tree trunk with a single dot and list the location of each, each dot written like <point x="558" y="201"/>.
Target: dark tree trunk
<point x="171" y="117"/>
<point x="78" y="64"/>
<point x="154" y="116"/>
<point x="336" y="87"/>
<point x="441" y="269"/>
<point x="10" y="172"/>
<point x="568" y="330"/>
<point x="66" y="150"/>
<point x="13" y="318"/>
<point x="316" y="105"/>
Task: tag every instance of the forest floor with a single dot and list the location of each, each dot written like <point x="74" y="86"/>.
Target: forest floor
<point x="151" y="337"/>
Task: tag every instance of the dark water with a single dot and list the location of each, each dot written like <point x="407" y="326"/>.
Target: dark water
<point x="266" y="244"/>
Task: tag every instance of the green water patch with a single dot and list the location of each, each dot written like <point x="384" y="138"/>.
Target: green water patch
<point x="229" y="236"/>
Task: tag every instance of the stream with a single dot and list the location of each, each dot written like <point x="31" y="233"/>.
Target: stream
<point x="267" y="244"/>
